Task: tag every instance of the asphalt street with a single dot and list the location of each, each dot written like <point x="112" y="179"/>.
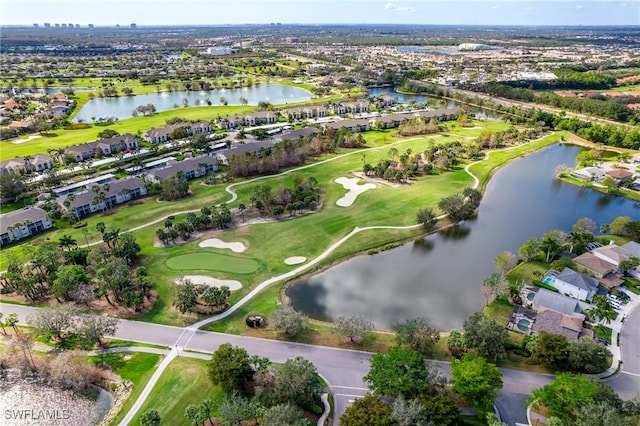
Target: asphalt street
<point x="343" y="369"/>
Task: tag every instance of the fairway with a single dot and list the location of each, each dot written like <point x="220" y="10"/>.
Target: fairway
<point x="213" y="262"/>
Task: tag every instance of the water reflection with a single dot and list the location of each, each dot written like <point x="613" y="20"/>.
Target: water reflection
<point x="440" y="280"/>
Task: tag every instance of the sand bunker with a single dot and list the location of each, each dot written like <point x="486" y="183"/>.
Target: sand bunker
<point x="354" y="190"/>
<point x="294" y="260"/>
<point x="235" y="247"/>
<point x="211" y="282"/>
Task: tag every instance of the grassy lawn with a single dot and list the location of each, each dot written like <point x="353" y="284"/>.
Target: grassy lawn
<point x="528" y="272"/>
<point x="500" y="310"/>
<point x="212" y="261"/>
<point x="138" y="369"/>
<point x="603" y="331"/>
<point x="184" y="382"/>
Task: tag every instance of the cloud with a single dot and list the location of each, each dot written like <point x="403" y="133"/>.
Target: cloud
<point x="580" y="7"/>
<point x="495" y="7"/>
<point x="393" y="6"/>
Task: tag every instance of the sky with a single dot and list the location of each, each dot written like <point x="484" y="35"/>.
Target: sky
<point x="219" y="12"/>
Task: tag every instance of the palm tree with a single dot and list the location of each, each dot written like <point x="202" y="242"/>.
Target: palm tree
<point x="27" y="163"/>
<point x="101" y="227"/>
<point x="66" y="242"/>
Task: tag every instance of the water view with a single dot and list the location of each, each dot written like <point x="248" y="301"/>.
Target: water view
<point x="439" y="277"/>
<point x="31" y="401"/>
<point x="121" y="107"/>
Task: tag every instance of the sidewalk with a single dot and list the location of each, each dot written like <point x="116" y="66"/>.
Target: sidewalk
<point x="616" y="326"/>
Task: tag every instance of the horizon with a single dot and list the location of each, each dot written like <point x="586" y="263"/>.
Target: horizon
<point x="163" y="13"/>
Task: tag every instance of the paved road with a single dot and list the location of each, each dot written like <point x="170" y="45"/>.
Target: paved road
<point x="627" y="382"/>
<point x="343" y="369"/>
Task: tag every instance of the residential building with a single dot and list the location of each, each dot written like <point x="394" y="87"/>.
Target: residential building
<point x="36" y="163"/>
<point x="558" y="314"/>
<point x="23" y="223"/>
<point x="633" y="248"/>
<point x="360" y="125"/>
<point x="305" y="134"/>
<point x="619" y="175"/>
<point x="612" y="253"/>
<point x="162" y="134"/>
<point x="260" y="117"/>
<point x="603" y="270"/>
<point x="588" y="174"/>
<point x="572" y="283"/>
<point x="191" y="168"/>
<point x="113" y="193"/>
<point x="109" y="146"/>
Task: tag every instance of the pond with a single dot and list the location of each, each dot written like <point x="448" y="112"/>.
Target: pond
<point x="439" y="277"/>
<point x="121" y="107"/>
<point x="479" y="113"/>
<point x="31" y="401"/>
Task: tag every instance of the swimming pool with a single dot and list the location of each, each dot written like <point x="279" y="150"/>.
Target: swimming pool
<point x="524" y="324"/>
<point x="549" y="280"/>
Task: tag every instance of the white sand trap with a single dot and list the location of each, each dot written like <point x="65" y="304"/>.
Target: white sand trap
<point x="294" y="260"/>
<point x="235" y="247"/>
<point x="211" y="282"/>
<point x="354" y="190"/>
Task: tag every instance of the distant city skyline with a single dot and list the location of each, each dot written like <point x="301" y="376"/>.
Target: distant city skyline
<point x="220" y="12"/>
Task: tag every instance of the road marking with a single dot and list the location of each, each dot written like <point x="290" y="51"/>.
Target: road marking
<point x="346" y="394"/>
<point x="349" y="387"/>
<point x="631" y="374"/>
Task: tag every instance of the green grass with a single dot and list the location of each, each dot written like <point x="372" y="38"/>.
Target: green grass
<point x="528" y="272"/>
<point x="184" y="382"/>
<point x="603" y="331"/>
<point x="211" y="261"/>
<point x="500" y="310"/>
<point x="138" y="369"/>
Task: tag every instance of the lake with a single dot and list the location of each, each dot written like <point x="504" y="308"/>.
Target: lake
<point x="439" y="277"/>
<point x="479" y="113"/>
<point x="121" y="107"/>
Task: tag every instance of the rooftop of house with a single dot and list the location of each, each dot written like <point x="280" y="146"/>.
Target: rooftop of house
<point x="33" y="214"/>
<point x="550" y="300"/>
<point x="551" y="321"/>
<point x="590" y="261"/>
<point x="578" y="280"/>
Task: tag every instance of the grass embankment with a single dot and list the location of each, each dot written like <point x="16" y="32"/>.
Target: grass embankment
<point x="620" y="192"/>
<point x="184" y="382"/>
<point x="138" y="370"/>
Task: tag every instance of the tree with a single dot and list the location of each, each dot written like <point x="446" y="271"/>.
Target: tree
<point x="427" y="218"/>
<point x="440" y="409"/>
<point x="127" y="248"/>
<point x="477" y="381"/>
<point x="552" y="243"/>
<point x="628" y="264"/>
<point x="186" y="296"/>
<point x="107" y="133"/>
<point x="564" y="395"/>
<point x="418" y="334"/>
<point x="408" y="412"/>
<point x="150" y="418"/>
<point x="505" y="261"/>
<point x="230" y="367"/>
<point x="297" y="382"/>
<point x="284" y="414"/>
<point x="493" y="287"/>
<point x="353" y="328"/>
<point x="367" y="411"/>
<point x="584" y="224"/>
<point x="236" y="409"/>
<point x="486" y="336"/>
<point x="400" y="372"/>
<point x="289" y="321"/>
<point x="588" y="356"/>
<point x="456" y="343"/>
<point x="53" y="321"/>
<point x="93" y="328"/>
<point x="68" y="278"/>
<point x="243" y="101"/>
<point x="551" y="348"/>
<point x="461" y="207"/>
<point x="619" y="224"/>
<point x="11" y="185"/>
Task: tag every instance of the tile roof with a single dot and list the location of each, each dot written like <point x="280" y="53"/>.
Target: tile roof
<point x="34" y="214"/>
